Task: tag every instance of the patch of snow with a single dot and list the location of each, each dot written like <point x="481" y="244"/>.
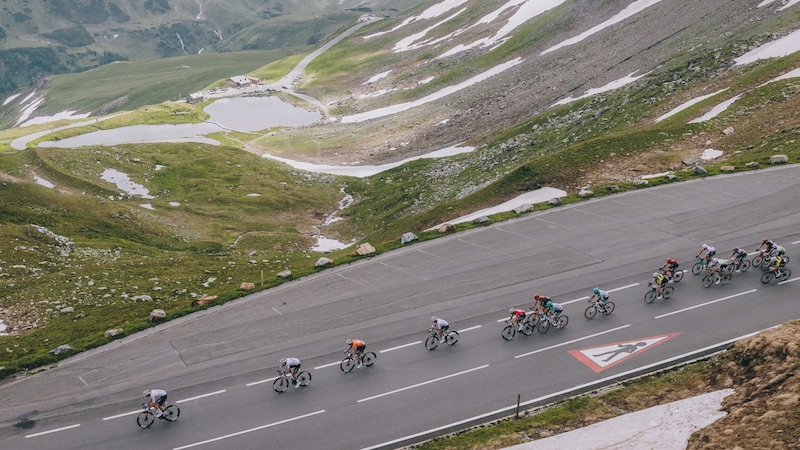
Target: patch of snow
<point x="10" y="99"/>
<point x="710" y="153"/>
<point x="123" y="182"/>
<point x="147" y="206"/>
<point x="377" y="77"/>
<point x="159" y="167"/>
<point x="633" y="8"/>
<point x="53" y="118"/>
<point x="608" y="87"/>
<point x="532" y="197"/>
<point x="394" y="109"/>
<point x="3" y="328"/>
<point x="254" y="194"/>
<point x="407" y="43"/>
<point x="174" y="203"/>
<point x="786" y="5"/>
<point x="715" y="111"/>
<point x="425" y="81"/>
<point x="791" y="74"/>
<point x="27" y="97"/>
<point x="775" y="49"/>
<point x="691" y="102"/>
<point x="430" y="13"/>
<point x="325" y="245"/>
<point x="42" y="182"/>
<point x="28" y="111"/>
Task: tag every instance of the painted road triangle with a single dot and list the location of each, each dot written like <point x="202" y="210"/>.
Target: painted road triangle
<point x="602" y="357"/>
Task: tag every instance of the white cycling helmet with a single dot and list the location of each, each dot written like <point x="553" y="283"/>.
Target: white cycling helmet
<point x="715" y="261"/>
<point x="283" y="361"/>
<point x="434" y="319"/>
<point x="511" y="310"/>
<point x="146" y="393"/>
<point x="349" y="342"/>
<point x="655" y="274"/>
<point x="705" y="246"/>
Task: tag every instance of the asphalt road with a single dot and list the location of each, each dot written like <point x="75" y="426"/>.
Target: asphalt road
<point x="218" y="365"/>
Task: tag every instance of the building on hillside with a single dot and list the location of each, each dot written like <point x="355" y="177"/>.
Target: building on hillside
<point x="197" y="97"/>
<point x="240" y="81"/>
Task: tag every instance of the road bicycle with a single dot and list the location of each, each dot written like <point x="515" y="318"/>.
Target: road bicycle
<point x="351" y="361"/>
<point x="148" y="416"/>
<point x="724" y="278"/>
<point x="764" y="258"/>
<point x="675" y="275"/>
<point x="768" y="276"/>
<point x="451" y="337"/>
<point x="285" y="379"/>
<point x="769" y="262"/>
<point x="596" y="306"/>
<point x="652" y="294"/>
<point x="548" y="321"/>
<point x="742" y="265"/>
<point x="699" y="266"/>
<point x="511" y="329"/>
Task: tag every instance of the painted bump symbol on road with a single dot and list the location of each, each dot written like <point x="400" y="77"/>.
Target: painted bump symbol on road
<point x="601" y="357"/>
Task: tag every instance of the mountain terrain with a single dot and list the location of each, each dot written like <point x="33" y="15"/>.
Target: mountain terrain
<point x="578" y="95"/>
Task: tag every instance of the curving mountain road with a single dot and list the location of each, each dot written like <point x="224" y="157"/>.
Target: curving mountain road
<point x="219" y="364"/>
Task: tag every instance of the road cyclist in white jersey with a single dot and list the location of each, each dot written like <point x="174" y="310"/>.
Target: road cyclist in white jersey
<point x="291" y="366"/>
<point x="709" y="253"/>
<point x="441" y="326"/>
<point x="156" y="400"/>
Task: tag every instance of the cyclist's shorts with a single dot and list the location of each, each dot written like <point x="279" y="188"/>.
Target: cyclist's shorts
<point x="294" y="367"/>
<point x="161" y="400"/>
<point x="360" y="349"/>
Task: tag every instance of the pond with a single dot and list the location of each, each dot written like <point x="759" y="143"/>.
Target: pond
<point x="233" y="114"/>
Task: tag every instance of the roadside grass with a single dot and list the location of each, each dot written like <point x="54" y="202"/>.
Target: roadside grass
<point x="570" y="414"/>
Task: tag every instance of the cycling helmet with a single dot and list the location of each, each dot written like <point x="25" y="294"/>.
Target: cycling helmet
<point x="670" y="260"/>
<point x="764" y="241"/>
<point x="536" y="296"/>
<point x="146" y="393"/>
<point x="283" y="361"/>
<point x="349" y="342"/>
<point x="596" y="290"/>
<point x="511" y="310"/>
<point x="705" y="246"/>
<point x="735" y="249"/>
<point x="655" y="274"/>
<point x="715" y="261"/>
<point x="434" y="319"/>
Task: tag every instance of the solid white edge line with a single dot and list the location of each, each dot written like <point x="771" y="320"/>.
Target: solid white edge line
<point x="422" y="384"/>
<point x="201" y="396"/>
<point x="239" y="433"/>
<point x="556" y="394"/>
<point x="400" y="346"/>
<point x="706" y="303"/>
<point x="572" y="341"/>
<point x="52" y="431"/>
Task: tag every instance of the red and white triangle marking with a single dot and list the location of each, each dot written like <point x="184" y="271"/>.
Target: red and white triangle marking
<point x="601" y="357"/>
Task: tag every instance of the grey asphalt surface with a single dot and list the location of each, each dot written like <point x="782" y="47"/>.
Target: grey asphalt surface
<point x="219" y="364"/>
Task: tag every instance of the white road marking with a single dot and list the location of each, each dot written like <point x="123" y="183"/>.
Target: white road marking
<point x="400" y="346"/>
<point x="422" y="384"/>
<point x="200" y="396"/>
<point x="788" y="281"/>
<point x="239" y="433"/>
<point x="572" y="341"/>
<point x="327" y="365"/>
<point x="52" y="431"/>
<point x="469" y="329"/>
<point x="123" y="414"/>
<point x="707" y="303"/>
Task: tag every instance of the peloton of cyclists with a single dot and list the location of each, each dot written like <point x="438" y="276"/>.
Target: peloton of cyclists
<point x="710" y="252"/>
<point x="669" y="268"/>
<point x="290" y="366"/>
<point x="356" y="347"/>
<point x="441" y="326"/>
<point x="738" y="256"/>
<point x="602" y="298"/>
<point x="517" y="316"/>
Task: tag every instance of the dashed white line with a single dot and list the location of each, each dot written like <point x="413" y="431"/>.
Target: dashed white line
<point x="52" y="431"/>
<point x="327" y="365"/>
<point x="788" y="281"/>
<point x="707" y="303"/>
<point x="239" y="433"/>
<point x="201" y="396"/>
<point x="400" y="346"/>
<point x="122" y="415"/>
<point x="422" y="384"/>
<point x="572" y="341"/>
<point x="469" y="329"/>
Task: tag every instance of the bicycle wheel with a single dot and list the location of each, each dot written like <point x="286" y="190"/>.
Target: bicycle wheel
<point x="785" y="274"/>
<point x="758" y="259"/>
<point x="766" y="263"/>
<point x="726" y="278"/>
<point x="432" y="342"/>
<point x="145" y="419"/>
<point x="650" y="296"/>
<point x="709" y="279"/>
<point x="280" y="384"/>
<point x="532" y="319"/>
<point x="563" y="320"/>
<point x="369" y="358"/>
<point x="452" y="337"/>
<point x="744" y="266"/>
<point x="667" y="292"/>
<point x="728" y="268"/>
<point x="527" y="329"/>
<point x="610" y="307"/>
<point x="677" y="275"/>
<point x="347" y="364"/>
<point x="509" y="332"/>
<point x="543" y="326"/>
<point x="697" y="268"/>
<point x="171" y="413"/>
<point x="590" y="312"/>
<point x="766" y="277"/>
<point x="304" y="378"/>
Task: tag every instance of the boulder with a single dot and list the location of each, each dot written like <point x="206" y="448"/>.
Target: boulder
<point x="728" y="131"/>
<point x="323" y="262"/>
<point x="365" y="249"/>
<point x="555" y="201"/>
<point x="641" y="182"/>
<point x="585" y="193"/>
<point x="525" y="207"/>
<point x="612" y="188"/>
<point x="700" y="170"/>
<point x="778" y="159"/>
<point x="157" y="314"/>
<point x="481" y="219"/>
<point x="447" y="228"/>
<point x="114" y="332"/>
<point x="61" y="349"/>
<point x="247" y="286"/>
<point x="142" y="298"/>
<point x="727" y="168"/>
<point x="285" y="274"/>
<point x="68" y="309"/>
<point x="407" y="237"/>
<point x="752" y="164"/>
<point x="200" y="301"/>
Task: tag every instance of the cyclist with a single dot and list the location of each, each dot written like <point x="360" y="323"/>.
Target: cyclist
<point x="602" y="298"/>
<point x="517" y="316"/>
<point x="441" y="326"/>
<point x="738" y="256"/>
<point x="777" y="264"/>
<point x="769" y="243"/>
<point x="659" y="281"/>
<point x="157" y="398"/>
<point x="669" y="268"/>
<point x="538" y="303"/>
<point x="553" y="309"/>
<point x="290" y="366"/>
<point x="356" y="347"/>
<point x="710" y="252"/>
<point x="716" y="269"/>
